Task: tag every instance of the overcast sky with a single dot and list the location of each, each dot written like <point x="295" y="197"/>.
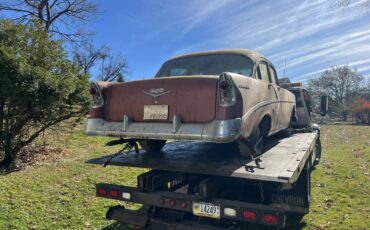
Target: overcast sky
<point x="310" y="35"/>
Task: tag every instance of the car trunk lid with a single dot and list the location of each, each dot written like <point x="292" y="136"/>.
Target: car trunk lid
<point x="192" y="98"/>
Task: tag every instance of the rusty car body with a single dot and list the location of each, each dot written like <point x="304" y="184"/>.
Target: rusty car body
<point x="215" y="96"/>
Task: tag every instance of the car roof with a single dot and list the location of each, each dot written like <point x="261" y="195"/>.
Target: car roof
<point x="253" y="55"/>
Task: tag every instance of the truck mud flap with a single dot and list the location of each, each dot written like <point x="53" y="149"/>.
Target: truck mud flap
<point x="119" y="213"/>
<point x="160" y="224"/>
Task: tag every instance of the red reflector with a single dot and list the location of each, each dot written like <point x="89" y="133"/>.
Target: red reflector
<point x="184" y="205"/>
<point x="172" y="203"/>
<point x="249" y="215"/>
<point x="92" y="91"/>
<point x="113" y="193"/>
<point x="162" y="201"/>
<point x="224" y="85"/>
<point x="270" y="219"/>
<point x="102" y="192"/>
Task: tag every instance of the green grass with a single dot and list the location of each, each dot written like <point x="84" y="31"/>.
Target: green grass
<point x="62" y="195"/>
<point x="341" y="183"/>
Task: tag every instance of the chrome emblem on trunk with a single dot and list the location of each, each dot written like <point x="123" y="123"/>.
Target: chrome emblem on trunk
<point x="157" y="92"/>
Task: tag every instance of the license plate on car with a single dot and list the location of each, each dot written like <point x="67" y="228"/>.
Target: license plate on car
<point x="206" y="210"/>
<point x="155" y="112"/>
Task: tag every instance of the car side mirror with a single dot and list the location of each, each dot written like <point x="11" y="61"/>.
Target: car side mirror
<point x="324" y="105"/>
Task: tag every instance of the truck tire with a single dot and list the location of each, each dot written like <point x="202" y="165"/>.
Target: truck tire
<point x="308" y="181"/>
<point x="317" y="152"/>
<point x="252" y="147"/>
<point x="152" y="145"/>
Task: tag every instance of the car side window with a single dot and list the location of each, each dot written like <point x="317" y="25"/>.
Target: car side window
<point x="258" y="73"/>
<point x="273" y="75"/>
<point x="264" y="72"/>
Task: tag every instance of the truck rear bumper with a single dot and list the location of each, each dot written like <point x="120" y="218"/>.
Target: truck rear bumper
<point x="142" y="220"/>
<point x="216" y="131"/>
<point x="182" y="217"/>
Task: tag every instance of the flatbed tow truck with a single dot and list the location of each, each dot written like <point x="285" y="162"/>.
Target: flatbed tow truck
<point x="197" y="185"/>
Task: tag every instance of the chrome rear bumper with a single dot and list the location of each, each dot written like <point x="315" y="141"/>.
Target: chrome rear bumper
<point x="215" y="131"/>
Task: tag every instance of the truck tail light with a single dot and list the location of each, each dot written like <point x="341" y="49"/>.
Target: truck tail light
<point x="250" y="215"/>
<point x="226" y="89"/>
<point x="113" y="193"/>
<point x="97" y="96"/>
<point x="184" y="205"/>
<point x="270" y="219"/>
<point x="102" y="192"/>
<point x="173" y="203"/>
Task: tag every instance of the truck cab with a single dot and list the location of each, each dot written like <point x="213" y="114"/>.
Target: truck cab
<point x="303" y="107"/>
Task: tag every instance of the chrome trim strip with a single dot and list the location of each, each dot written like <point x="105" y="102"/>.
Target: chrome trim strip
<point x="215" y="131"/>
<point x="126" y="122"/>
<point x="260" y="105"/>
<point x="176" y="123"/>
<point x="256" y="107"/>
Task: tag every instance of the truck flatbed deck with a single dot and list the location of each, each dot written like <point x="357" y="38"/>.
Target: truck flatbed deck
<point x="282" y="161"/>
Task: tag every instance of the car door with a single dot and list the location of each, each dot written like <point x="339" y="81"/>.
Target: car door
<point x="272" y="96"/>
<point x="280" y="96"/>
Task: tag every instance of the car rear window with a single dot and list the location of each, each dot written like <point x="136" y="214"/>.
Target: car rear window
<point x="214" y="64"/>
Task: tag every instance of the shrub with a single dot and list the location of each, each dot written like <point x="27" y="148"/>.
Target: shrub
<point x="39" y="86"/>
<point x="361" y="111"/>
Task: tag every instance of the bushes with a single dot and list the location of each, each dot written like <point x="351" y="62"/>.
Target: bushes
<point x="361" y="111"/>
<point x="39" y="86"/>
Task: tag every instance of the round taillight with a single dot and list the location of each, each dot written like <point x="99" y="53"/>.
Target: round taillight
<point x="172" y="203"/>
<point x="92" y="91"/>
<point x="184" y="205"/>
<point x="224" y="85"/>
<point x="162" y="201"/>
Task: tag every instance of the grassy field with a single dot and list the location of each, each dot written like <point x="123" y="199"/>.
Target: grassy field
<point x="61" y="194"/>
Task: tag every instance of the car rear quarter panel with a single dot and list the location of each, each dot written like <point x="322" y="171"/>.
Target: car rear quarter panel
<point x="258" y="102"/>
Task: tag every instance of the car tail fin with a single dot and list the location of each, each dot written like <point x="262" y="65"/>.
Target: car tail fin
<point x="226" y="90"/>
<point x="97" y="95"/>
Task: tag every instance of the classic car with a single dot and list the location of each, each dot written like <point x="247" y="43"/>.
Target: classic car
<point x="215" y="96"/>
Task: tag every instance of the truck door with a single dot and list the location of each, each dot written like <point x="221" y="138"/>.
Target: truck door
<point x="272" y="96"/>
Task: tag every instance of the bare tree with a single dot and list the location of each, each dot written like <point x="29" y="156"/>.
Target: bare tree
<point x="86" y="55"/>
<point x="342" y="84"/>
<point x="112" y="67"/>
<point x="53" y="15"/>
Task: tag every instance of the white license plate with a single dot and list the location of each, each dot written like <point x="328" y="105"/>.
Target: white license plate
<point x="206" y="210"/>
<point x="155" y="112"/>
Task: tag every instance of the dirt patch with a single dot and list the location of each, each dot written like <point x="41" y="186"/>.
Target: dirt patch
<point x="35" y="155"/>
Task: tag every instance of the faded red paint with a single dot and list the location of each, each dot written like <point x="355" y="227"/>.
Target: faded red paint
<point x="192" y="98"/>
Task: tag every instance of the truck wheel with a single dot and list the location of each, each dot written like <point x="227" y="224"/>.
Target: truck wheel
<point x="152" y="145"/>
<point x="308" y="181"/>
<point x="251" y="147"/>
<point x="317" y="152"/>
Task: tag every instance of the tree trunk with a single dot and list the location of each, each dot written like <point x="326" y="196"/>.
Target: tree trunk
<point x="7" y="161"/>
<point x="344" y="116"/>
